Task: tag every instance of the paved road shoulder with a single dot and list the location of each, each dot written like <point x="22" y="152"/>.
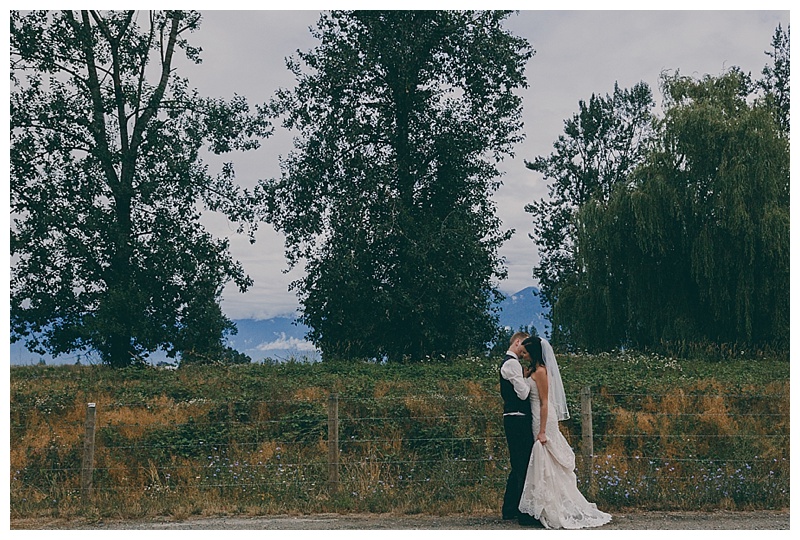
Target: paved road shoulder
<point x="720" y="520"/>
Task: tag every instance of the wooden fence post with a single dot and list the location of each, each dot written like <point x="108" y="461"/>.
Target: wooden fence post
<point x="87" y="465"/>
<point x="333" y="441"/>
<point x="587" y="442"/>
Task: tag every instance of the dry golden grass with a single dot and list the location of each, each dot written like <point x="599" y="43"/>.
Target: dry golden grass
<point x="425" y="408"/>
<point x="311" y="393"/>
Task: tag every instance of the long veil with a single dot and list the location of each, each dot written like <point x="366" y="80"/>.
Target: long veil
<point x="556" y="388"/>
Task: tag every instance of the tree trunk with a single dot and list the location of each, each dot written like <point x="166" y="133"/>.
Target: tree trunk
<point x="120" y="288"/>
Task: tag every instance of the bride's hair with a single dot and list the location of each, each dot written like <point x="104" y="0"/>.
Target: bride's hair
<point x="533" y="345"/>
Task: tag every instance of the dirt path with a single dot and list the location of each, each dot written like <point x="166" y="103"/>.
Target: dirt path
<point x="767" y="520"/>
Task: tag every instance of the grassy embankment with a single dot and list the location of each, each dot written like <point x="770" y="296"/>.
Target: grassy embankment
<point x="419" y="438"/>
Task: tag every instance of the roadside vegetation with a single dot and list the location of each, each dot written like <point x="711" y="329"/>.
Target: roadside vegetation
<point x="252" y="439"/>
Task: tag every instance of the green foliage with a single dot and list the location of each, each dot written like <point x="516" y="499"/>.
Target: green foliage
<point x="214" y="353"/>
<point x="601" y="145"/>
<point x="403" y="116"/>
<point x="190" y="440"/>
<point x="106" y="185"/>
<point x="775" y="83"/>
<point x="699" y="239"/>
<point x="306" y="422"/>
<point x="682" y="243"/>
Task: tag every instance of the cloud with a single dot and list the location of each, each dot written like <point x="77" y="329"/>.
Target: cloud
<point x="283" y="343"/>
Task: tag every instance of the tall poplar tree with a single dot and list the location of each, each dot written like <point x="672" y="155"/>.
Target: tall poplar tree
<point x="775" y="81"/>
<point x="601" y="145"/>
<point x="402" y="118"/>
<point x="107" y="187"/>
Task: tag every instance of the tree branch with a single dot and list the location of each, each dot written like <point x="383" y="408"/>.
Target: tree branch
<point x="98" y="125"/>
<point x="158" y="94"/>
<point x="145" y="54"/>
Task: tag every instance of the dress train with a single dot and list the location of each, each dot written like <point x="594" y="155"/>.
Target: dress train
<point x="551" y="492"/>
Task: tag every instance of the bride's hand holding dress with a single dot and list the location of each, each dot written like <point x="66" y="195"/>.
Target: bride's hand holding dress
<point x="551" y="492"/>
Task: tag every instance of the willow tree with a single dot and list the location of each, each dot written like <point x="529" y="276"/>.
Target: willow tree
<point x="107" y="184"/>
<point x="402" y="118"/>
<point x="702" y="228"/>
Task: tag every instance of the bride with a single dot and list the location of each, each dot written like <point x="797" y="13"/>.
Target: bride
<point x="551" y="489"/>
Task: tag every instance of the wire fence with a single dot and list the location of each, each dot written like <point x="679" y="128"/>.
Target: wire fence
<point x="725" y="449"/>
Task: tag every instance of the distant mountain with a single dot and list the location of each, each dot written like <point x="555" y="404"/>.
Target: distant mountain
<point x="280" y="338"/>
<point x="524" y="308"/>
<point x="277" y="338"/>
<point x="20" y="356"/>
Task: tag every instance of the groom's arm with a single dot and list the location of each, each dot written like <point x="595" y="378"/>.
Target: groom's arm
<point x="512" y="372"/>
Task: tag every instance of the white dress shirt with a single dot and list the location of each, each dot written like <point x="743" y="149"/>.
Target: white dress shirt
<point x="512" y="372"/>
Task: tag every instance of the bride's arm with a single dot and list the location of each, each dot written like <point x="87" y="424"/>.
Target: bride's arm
<point x="540" y="377"/>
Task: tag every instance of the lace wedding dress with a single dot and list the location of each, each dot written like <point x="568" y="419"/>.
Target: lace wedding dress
<point x="551" y="488"/>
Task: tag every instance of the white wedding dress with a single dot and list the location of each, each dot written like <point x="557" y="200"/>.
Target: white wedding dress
<point x="551" y="488"/>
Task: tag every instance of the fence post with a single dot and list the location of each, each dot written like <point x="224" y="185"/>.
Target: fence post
<point x="333" y="441"/>
<point x="587" y="442"/>
<point x="87" y="465"/>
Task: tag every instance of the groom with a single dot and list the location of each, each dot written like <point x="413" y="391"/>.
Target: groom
<point x="517" y="424"/>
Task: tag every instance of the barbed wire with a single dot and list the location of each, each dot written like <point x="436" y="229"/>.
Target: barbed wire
<point x="688" y="435"/>
<point x="350" y="419"/>
<point x="203" y="465"/>
<point x="166" y="487"/>
<point x="691" y="394"/>
<point x="353" y="439"/>
<point x="199" y="466"/>
<point x="657" y="462"/>
<point x="149" y="402"/>
<point x="213" y="445"/>
<point x="342" y="419"/>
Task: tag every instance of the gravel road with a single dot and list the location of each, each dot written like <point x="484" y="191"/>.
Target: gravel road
<point x="761" y="520"/>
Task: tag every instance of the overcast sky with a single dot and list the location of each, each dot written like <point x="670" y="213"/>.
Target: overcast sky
<point x="577" y="53"/>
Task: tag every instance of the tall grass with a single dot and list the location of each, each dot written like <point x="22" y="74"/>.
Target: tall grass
<point x="251" y="439"/>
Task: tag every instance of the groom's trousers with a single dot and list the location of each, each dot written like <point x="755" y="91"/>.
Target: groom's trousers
<point x="519" y="436"/>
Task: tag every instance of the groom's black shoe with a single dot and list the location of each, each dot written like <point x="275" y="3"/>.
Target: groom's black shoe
<point x="526" y="520"/>
<point x="511" y="516"/>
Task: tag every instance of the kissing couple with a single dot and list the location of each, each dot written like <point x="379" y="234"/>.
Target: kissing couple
<point x="542" y="489"/>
